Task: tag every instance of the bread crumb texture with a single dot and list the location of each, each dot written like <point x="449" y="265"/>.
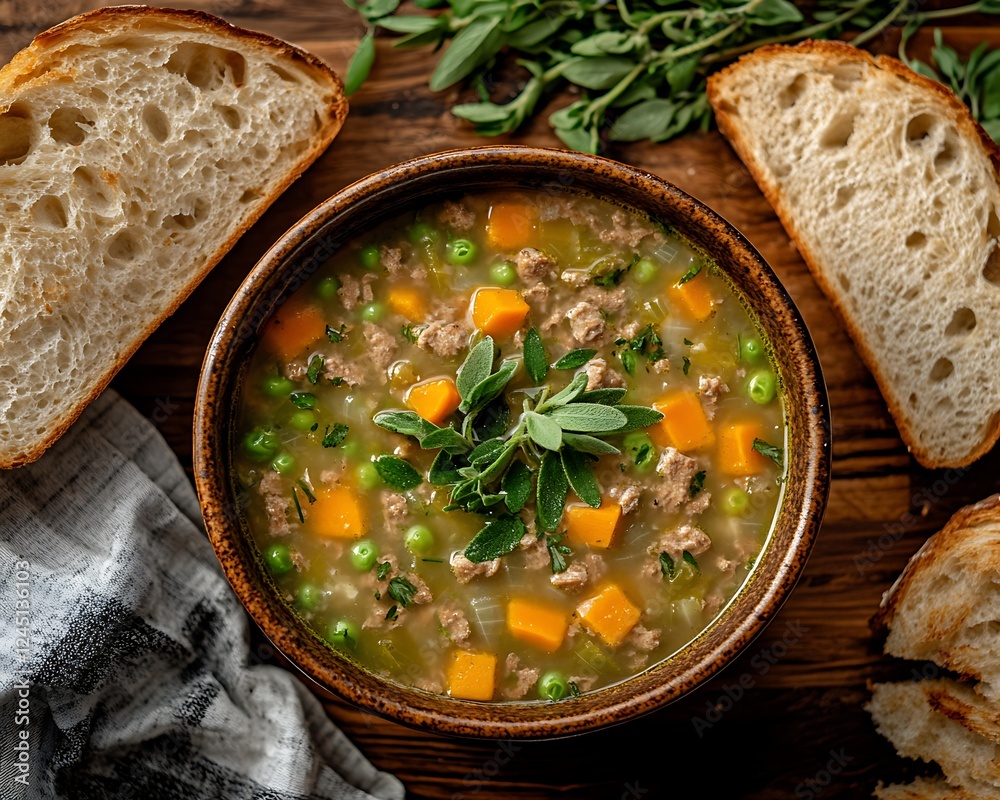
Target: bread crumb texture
<point x="135" y="147"/>
<point x="891" y="192"/>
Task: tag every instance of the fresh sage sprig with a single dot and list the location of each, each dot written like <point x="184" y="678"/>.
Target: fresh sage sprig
<point x="492" y="466"/>
<point x="640" y="65"/>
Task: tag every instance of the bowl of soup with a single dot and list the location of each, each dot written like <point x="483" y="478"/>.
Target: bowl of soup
<point x="512" y="442"/>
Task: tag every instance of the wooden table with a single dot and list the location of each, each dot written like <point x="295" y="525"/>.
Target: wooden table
<point x="786" y="719"/>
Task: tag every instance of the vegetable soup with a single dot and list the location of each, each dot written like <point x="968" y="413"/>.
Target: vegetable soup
<point x="511" y="446"/>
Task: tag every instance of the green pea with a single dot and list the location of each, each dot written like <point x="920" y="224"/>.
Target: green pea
<point x="553" y="686"/>
<point x="751" y="350"/>
<point x="419" y="540"/>
<point x="461" y="252"/>
<point x="503" y="273"/>
<point x="307" y="597"/>
<point x="368" y="477"/>
<point x="278" y="559"/>
<point x="364" y="555"/>
<point x="303" y="420"/>
<point x="370" y="257"/>
<point x="645" y="271"/>
<point x="640" y="450"/>
<point x="373" y="312"/>
<point x="283" y="462"/>
<point x="344" y="633"/>
<point x="278" y="386"/>
<point x="351" y="447"/>
<point x="735" y="501"/>
<point x="762" y="387"/>
<point x="422" y="233"/>
<point x="326" y="288"/>
<point x="260" y="444"/>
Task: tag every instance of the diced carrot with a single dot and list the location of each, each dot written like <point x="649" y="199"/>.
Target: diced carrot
<point x="537" y="623"/>
<point x="498" y="312"/>
<point x="511" y="226"/>
<point x="684" y="424"/>
<point x="593" y="526"/>
<point x="736" y="454"/>
<point x="472" y="676"/>
<point x="434" y="400"/>
<point x="337" y="513"/>
<point x="409" y="303"/>
<point x="609" y="614"/>
<point x="292" y="329"/>
<point x="694" y="297"/>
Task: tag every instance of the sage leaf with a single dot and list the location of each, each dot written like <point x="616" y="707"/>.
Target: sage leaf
<point x="535" y="360"/>
<point x="604" y="397"/>
<point x="637" y="418"/>
<point x="776" y="454"/>
<point x="581" y="479"/>
<point x="589" y="444"/>
<point x="361" y="64"/>
<point x="567" y="395"/>
<point x="574" y="359"/>
<point x="487" y="452"/>
<point x="445" y="439"/>
<point x="476" y="368"/>
<point x="407" y="423"/>
<point x="516" y="485"/>
<point x="444" y="469"/>
<point x="397" y="473"/>
<point x="490" y="388"/>
<point x="500" y="537"/>
<point x="643" y="121"/>
<point x="468" y="49"/>
<point x="598" y="73"/>
<point x="494" y="470"/>
<point x="552" y="490"/>
<point x="543" y="431"/>
<point x="588" y="417"/>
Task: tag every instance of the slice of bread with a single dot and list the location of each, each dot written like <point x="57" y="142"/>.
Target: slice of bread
<point x="136" y="146"/>
<point x="925" y="789"/>
<point x="945" y="606"/>
<point x="889" y="189"/>
<point x="945" y="722"/>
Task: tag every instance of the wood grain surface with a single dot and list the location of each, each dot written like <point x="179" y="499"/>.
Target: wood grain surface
<point x="786" y="719"/>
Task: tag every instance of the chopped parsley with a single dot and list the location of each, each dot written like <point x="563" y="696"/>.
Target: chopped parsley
<point x="383" y="570"/>
<point x="316" y="366"/>
<point x="412" y="332"/>
<point x="776" y="454"/>
<point x="336" y="335"/>
<point x="392" y="613"/>
<point x="338" y="381"/>
<point x="305" y="488"/>
<point x="401" y="590"/>
<point x="690" y="559"/>
<point x="687" y="365"/>
<point x="574" y="689"/>
<point x="697" y="484"/>
<point x="688" y="342"/>
<point x="667" y="566"/>
<point x="298" y="505"/>
<point x="691" y="273"/>
<point x="334" y="435"/>
<point x="644" y="455"/>
<point x="556" y="552"/>
<point x="303" y="399"/>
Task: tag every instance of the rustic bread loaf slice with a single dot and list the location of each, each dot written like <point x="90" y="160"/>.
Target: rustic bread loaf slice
<point x="889" y="189"/>
<point x="945" y="722"/>
<point x="945" y="606"/>
<point x="925" y="789"/>
<point x="136" y="146"/>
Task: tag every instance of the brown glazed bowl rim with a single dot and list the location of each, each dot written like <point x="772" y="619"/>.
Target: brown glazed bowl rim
<point x="363" y="204"/>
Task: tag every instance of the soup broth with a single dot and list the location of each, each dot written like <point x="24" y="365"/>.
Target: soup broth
<point x="511" y="446"/>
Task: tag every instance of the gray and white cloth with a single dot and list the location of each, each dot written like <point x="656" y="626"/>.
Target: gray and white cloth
<point x="124" y="662"/>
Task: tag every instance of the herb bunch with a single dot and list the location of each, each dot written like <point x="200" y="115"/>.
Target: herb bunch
<point x="492" y="467"/>
<point x="640" y="66"/>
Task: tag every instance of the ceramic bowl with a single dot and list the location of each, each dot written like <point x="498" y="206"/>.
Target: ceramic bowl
<point x="356" y="209"/>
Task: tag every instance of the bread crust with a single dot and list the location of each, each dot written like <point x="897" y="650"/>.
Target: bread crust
<point x="984" y="512"/>
<point x="965" y="123"/>
<point x="120" y="19"/>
